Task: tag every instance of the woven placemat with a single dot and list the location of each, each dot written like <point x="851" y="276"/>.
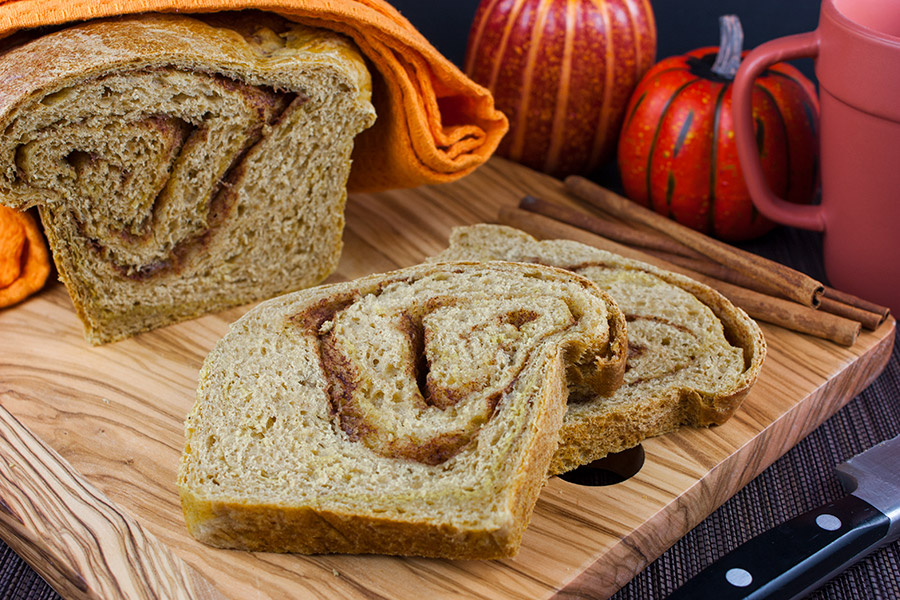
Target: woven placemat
<point x="801" y="480"/>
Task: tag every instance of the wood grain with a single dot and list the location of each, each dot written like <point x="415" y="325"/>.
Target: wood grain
<point x="74" y="537"/>
<point x="90" y="440"/>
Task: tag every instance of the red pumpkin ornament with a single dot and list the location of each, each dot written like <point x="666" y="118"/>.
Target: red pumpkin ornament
<point x="562" y="71"/>
<point x="677" y="152"/>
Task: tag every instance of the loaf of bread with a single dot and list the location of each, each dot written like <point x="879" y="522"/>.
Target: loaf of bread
<point x="413" y="412"/>
<point x="692" y="355"/>
<point x="182" y="165"/>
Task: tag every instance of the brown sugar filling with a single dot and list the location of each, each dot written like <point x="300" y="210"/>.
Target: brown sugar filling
<point x="636" y="350"/>
<point x="344" y="380"/>
<point x="271" y="108"/>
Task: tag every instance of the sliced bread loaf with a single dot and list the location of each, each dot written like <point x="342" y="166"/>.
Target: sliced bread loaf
<point x="182" y="165"/>
<point x="692" y="355"/>
<point x="413" y="412"/>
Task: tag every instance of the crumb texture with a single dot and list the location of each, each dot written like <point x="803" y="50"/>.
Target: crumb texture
<point x="182" y="165"/>
<point x="414" y="412"/>
<point x="692" y="355"/>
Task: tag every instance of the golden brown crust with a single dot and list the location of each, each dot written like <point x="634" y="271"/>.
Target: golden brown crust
<point x="305" y="530"/>
<point x="590" y="438"/>
<point x="224" y="43"/>
<point x="474" y="502"/>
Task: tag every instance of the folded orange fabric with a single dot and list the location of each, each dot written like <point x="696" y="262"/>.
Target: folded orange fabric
<point x="434" y="124"/>
<point x="24" y="260"/>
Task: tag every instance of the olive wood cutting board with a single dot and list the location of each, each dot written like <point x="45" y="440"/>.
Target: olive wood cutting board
<point x="90" y="440"/>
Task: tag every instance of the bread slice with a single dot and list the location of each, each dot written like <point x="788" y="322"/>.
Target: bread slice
<point x="692" y="355"/>
<point x="413" y="412"/>
<point x="182" y="165"/>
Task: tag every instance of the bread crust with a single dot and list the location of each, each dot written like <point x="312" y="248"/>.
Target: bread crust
<point x="393" y="521"/>
<point x="222" y="43"/>
<point x="306" y="530"/>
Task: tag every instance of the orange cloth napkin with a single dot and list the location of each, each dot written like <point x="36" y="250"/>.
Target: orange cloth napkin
<point x="434" y="124"/>
<point x="24" y="260"/>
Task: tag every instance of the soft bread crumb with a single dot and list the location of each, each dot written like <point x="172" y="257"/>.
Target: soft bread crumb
<point x="182" y="165"/>
<point x="420" y="420"/>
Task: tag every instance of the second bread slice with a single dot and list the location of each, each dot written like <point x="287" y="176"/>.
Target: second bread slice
<point x="692" y="355"/>
<point x="413" y="412"/>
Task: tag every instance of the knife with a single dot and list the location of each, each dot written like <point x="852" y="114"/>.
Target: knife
<point x="794" y="558"/>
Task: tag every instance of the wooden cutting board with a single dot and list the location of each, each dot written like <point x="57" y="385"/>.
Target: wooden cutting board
<point x="90" y="440"/>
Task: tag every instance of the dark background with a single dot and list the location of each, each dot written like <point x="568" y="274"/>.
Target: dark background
<point x="681" y="25"/>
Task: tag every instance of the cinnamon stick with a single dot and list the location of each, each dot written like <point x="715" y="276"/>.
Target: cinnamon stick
<point x="763" y="307"/>
<point x="869" y="320"/>
<point x="650" y="239"/>
<point x="656" y="244"/>
<point x="652" y="243"/>
<point x="856" y="302"/>
<point x="670" y="250"/>
<point x="789" y="283"/>
<point x="715" y="270"/>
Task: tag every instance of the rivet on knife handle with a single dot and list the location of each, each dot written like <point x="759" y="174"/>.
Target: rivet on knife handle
<point x="798" y="556"/>
<point x="794" y="558"/>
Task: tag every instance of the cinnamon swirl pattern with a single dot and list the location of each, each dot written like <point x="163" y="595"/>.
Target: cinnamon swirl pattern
<point x="182" y="165"/>
<point x="413" y="412"/>
<point x="692" y="355"/>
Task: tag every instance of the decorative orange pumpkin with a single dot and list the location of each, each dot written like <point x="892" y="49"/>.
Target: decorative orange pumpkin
<point x="562" y="71"/>
<point x="677" y="152"/>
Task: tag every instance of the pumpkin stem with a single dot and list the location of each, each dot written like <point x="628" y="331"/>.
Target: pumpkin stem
<point x="731" y="42"/>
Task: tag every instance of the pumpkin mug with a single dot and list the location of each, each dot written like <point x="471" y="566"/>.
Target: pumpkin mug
<point x="856" y="48"/>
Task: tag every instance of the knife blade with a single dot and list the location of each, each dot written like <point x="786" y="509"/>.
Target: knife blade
<point x="794" y="558"/>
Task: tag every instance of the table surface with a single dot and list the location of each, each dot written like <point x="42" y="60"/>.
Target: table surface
<point x="801" y="480"/>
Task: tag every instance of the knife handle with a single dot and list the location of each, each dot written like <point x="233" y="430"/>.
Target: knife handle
<point x="795" y="557"/>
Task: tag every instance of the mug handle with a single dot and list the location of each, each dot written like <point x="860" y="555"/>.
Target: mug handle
<point x="802" y="45"/>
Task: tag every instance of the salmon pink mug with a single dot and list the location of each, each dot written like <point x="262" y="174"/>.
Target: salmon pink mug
<point x="856" y="48"/>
